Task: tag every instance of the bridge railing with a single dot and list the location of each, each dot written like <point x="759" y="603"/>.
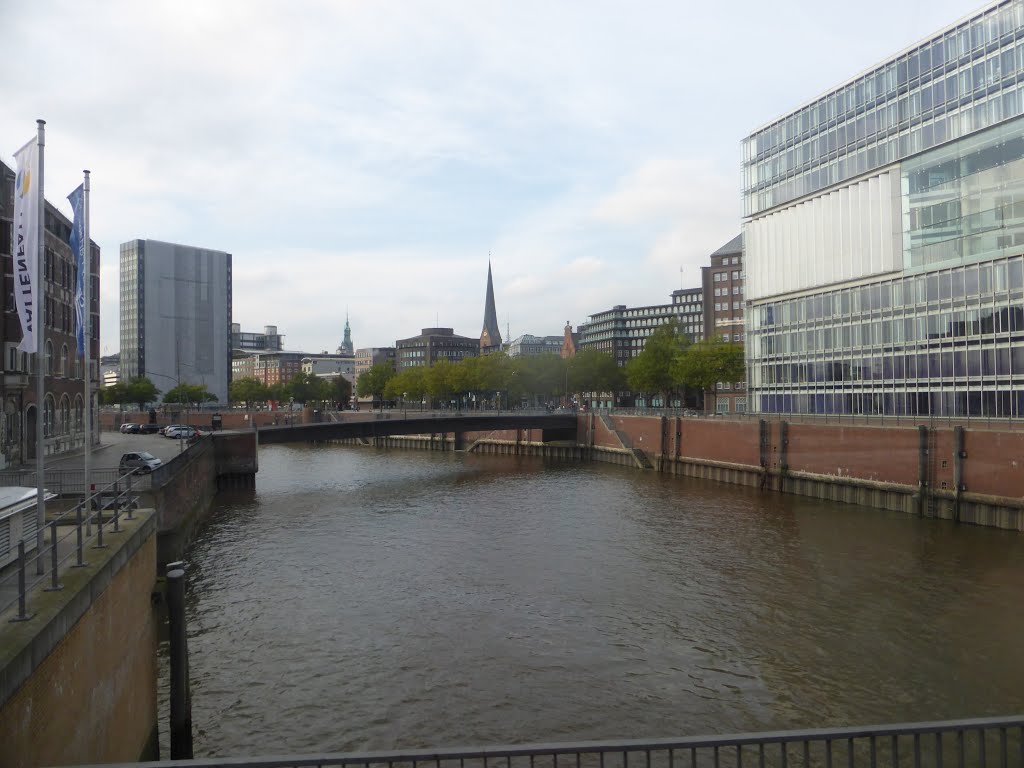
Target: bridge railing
<point x="976" y="742"/>
<point x="70" y="536"/>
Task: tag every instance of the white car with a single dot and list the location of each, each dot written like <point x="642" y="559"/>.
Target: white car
<point x="179" y="432"/>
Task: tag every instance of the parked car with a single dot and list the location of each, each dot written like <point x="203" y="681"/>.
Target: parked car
<point x="149" y="429"/>
<point x="179" y="432"/>
<point x="163" y="430"/>
<point x="132" y="429"/>
<point x="127" y="426"/>
<point x="141" y="460"/>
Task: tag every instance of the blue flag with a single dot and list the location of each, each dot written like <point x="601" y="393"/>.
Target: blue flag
<point x="79" y="248"/>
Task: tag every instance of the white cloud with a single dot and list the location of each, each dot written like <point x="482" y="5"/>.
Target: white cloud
<point x="369" y="155"/>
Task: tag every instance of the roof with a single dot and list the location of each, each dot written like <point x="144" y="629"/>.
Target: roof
<point x="733" y="246"/>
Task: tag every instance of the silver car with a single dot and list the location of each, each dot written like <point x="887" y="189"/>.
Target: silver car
<point x="143" y="461"/>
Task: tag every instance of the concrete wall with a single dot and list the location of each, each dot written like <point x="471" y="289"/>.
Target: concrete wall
<point x="78" y="681"/>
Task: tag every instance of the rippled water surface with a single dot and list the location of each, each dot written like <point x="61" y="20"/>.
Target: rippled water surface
<point x="370" y="600"/>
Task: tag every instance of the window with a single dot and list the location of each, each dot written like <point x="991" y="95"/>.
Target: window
<point x="64" y="360"/>
<point x="48" y="368"/>
<point x="48" y="409"/>
<point x="722" y="405"/>
<point x="741" y="405"/>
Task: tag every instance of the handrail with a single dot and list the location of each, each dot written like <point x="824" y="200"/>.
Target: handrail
<point x="113" y="498"/>
<point x="937" y="743"/>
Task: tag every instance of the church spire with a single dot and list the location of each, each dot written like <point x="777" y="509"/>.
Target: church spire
<point x="346" y="344"/>
<point x="490" y="337"/>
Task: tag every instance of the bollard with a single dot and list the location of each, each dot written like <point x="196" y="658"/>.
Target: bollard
<point x="181" y="700"/>
<point x="54" y="584"/>
<point x="22" y="615"/>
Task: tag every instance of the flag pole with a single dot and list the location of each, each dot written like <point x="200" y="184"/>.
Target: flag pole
<point x="39" y="299"/>
<point x="87" y="316"/>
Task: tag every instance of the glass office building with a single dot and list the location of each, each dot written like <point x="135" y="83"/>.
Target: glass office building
<point x="885" y="233"/>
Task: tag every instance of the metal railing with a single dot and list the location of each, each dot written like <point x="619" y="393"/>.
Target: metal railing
<point x="976" y="742"/>
<point x="66" y="482"/>
<point x="83" y="527"/>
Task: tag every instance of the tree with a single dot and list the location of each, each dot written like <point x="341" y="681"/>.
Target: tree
<point x="248" y="391"/>
<point x="708" y="362"/>
<point x="309" y="388"/>
<point x="594" y="371"/>
<point x="651" y="370"/>
<point x="410" y="385"/>
<point x="190" y="394"/>
<point x="340" y="391"/>
<point x="440" y="379"/>
<point x="140" y="391"/>
<point x="373" y="381"/>
<point x="115" y="394"/>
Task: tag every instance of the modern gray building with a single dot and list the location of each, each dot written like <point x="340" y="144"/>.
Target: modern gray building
<point x="253" y="341"/>
<point x="884" y="235"/>
<point x="176" y="315"/>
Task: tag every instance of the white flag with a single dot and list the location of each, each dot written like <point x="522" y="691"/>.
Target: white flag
<point x="26" y="241"/>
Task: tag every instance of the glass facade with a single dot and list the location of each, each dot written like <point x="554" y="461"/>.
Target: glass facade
<point x="946" y="343"/>
<point x="959" y="81"/>
<point x="965" y="200"/>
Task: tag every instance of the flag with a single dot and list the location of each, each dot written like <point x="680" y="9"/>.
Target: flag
<point x="26" y="241"/>
<point x="79" y="248"/>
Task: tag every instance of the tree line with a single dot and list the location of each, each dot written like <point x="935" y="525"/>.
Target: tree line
<point x="668" y="364"/>
<point x="303" y="388"/>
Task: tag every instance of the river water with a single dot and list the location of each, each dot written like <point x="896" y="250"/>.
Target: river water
<point x="365" y="599"/>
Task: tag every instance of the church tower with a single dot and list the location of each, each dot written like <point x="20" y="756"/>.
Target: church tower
<point x="490" y="337"/>
<point x="346" y="344"/>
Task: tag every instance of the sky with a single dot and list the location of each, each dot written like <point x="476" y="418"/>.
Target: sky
<point x="368" y="158"/>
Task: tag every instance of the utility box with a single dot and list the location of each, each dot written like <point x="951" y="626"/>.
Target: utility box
<point x="216" y="422"/>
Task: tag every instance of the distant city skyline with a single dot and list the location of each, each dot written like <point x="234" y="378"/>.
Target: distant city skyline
<point x="369" y="158"/>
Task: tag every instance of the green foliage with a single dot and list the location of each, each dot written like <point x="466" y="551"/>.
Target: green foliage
<point x="708" y="362"/>
<point x="441" y="380"/>
<point x="410" y="385"/>
<point x="249" y="391"/>
<point x="139" y="391"/>
<point x="373" y="382"/>
<point x="340" y="391"/>
<point x="190" y="394"/>
<point x="115" y="394"/>
<point x="594" y="371"/>
<point x="308" y="388"/>
<point x="652" y="370"/>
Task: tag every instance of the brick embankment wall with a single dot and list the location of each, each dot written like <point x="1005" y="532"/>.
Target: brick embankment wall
<point x="81" y="687"/>
<point x="876" y="466"/>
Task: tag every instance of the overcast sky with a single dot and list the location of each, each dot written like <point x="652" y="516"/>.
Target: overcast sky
<point x="369" y="156"/>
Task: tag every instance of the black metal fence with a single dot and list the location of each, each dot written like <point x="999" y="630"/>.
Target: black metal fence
<point x="996" y="742"/>
<point x="70" y="535"/>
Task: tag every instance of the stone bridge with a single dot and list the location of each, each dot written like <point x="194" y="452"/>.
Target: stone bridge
<point x="553" y="427"/>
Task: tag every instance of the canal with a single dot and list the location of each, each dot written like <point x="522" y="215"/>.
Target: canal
<point x="365" y="599"/>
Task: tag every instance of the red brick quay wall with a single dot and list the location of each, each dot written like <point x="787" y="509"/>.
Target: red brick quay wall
<point x="894" y="467"/>
<point x="888" y="465"/>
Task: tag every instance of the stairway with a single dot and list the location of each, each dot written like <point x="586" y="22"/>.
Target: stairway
<point x="627" y="445"/>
